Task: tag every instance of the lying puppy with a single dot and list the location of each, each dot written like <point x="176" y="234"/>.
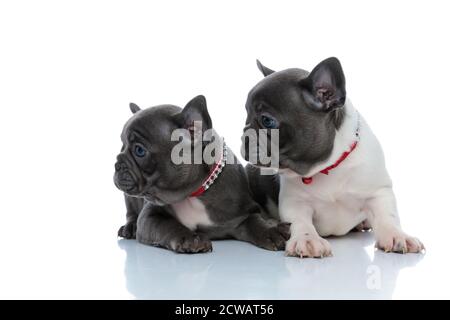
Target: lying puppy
<point x="183" y="206"/>
<point x="332" y="176"/>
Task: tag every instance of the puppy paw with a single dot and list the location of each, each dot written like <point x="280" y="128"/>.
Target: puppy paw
<point x="274" y="238"/>
<point x="397" y="241"/>
<point x="308" y="246"/>
<point x="128" y="231"/>
<point x="191" y="244"/>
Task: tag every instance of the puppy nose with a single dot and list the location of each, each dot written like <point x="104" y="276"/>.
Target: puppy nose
<point x="118" y="166"/>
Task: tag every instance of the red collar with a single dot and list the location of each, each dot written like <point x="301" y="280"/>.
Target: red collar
<point x="309" y="180"/>
<point x="213" y="173"/>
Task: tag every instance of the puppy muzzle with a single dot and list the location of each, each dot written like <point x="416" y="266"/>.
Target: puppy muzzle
<point x="124" y="178"/>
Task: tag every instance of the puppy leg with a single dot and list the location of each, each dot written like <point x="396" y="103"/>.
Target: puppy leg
<point x="304" y="241"/>
<point x="157" y="227"/>
<point x="383" y="217"/>
<point x="134" y="206"/>
<point x="260" y="232"/>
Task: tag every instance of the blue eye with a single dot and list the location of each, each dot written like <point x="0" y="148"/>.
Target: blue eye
<point x="268" y="122"/>
<point x="139" y="151"/>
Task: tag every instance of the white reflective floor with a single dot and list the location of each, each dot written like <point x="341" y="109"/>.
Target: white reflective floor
<point x="240" y="271"/>
<point x="64" y="265"/>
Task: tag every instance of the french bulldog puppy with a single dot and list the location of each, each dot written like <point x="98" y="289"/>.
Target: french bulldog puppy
<point x="182" y="206"/>
<point x="332" y="175"/>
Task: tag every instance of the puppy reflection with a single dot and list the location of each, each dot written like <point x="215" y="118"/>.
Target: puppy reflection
<point x="238" y="271"/>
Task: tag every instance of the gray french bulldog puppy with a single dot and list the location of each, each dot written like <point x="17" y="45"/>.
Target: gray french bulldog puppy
<point x="332" y="175"/>
<point x="183" y="206"/>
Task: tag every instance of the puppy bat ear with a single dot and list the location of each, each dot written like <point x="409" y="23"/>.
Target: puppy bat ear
<point x="134" y="107"/>
<point x="264" y="70"/>
<point x="324" y="88"/>
<point x="195" y="117"/>
<point x="196" y="110"/>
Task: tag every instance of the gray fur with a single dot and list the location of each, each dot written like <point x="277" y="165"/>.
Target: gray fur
<point x="153" y="183"/>
<point x="264" y="70"/>
<point x="265" y="189"/>
<point x="134" y="107"/>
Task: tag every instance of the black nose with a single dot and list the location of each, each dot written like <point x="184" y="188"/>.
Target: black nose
<point x="118" y="166"/>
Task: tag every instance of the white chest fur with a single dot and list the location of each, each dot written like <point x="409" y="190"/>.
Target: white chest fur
<point x="191" y="213"/>
<point x="336" y="208"/>
<point x="337" y="201"/>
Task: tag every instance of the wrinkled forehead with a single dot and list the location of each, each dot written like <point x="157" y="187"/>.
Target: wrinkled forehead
<point x="153" y="124"/>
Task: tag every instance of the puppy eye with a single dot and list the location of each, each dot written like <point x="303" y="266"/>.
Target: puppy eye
<point x="268" y="122"/>
<point x="139" y="151"/>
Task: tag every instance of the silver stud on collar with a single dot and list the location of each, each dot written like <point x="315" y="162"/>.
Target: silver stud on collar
<point x="217" y="169"/>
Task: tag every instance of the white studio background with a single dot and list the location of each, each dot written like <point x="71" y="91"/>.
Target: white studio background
<point x="68" y="70"/>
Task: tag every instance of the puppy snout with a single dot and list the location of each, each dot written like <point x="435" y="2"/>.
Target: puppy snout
<point x="124" y="181"/>
<point x="123" y="177"/>
<point x="120" y="166"/>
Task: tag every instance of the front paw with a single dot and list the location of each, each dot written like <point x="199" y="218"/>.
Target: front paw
<point x="128" y="231"/>
<point x="308" y="246"/>
<point x="191" y="244"/>
<point x="274" y="238"/>
<point x="397" y="241"/>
